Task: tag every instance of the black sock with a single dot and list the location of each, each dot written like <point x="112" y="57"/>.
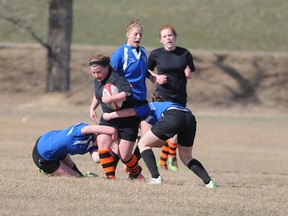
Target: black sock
<point x="137" y="153"/>
<point x="150" y="161"/>
<point x="199" y="170"/>
<point x="75" y="168"/>
<point x="116" y="159"/>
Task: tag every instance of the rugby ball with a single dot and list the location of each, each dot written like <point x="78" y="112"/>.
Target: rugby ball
<point x="109" y="90"/>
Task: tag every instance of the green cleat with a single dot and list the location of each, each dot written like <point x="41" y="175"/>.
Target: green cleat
<point x="41" y="171"/>
<point x="172" y="164"/>
<point x="163" y="167"/>
<point x="211" y="184"/>
<point x="89" y="174"/>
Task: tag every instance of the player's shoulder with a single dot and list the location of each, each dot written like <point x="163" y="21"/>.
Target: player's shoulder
<point x="118" y="51"/>
<point x="181" y="51"/>
<point x="157" y="50"/>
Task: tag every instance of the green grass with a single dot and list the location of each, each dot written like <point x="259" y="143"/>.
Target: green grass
<point x="246" y="25"/>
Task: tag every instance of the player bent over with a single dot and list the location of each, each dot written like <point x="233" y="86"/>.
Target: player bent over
<point x="168" y="119"/>
<point x="52" y="151"/>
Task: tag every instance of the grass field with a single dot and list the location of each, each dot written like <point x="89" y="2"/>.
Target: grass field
<point x="247" y="25"/>
<point x="243" y="149"/>
<point x="245" y="153"/>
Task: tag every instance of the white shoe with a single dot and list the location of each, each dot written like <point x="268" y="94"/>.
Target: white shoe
<point x="211" y="184"/>
<point x="158" y="180"/>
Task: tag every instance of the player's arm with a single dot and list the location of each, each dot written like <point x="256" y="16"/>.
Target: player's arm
<point x="151" y="77"/>
<point x="119" y="114"/>
<point x="94" y="104"/>
<point x="160" y="79"/>
<point x="120" y="97"/>
<point x="98" y="129"/>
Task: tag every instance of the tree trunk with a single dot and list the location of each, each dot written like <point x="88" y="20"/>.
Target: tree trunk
<point x="59" y="42"/>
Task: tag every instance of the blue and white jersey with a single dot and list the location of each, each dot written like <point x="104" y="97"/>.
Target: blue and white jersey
<point x="133" y="66"/>
<point x="56" y="144"/>
<point x="153" y="111"/>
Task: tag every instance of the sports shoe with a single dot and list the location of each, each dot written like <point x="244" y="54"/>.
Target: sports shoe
<point x="163" y="167"/>
<point x="41" y="171"/>
<point x="138" y="176"/>
<point x="158" y="180"/>
<point x="211" y="184"/>
<point x="172" y="164"/>
<point x="89" y="174"/>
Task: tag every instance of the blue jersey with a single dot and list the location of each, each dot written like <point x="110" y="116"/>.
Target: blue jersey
<point x="153" y="111"/>
<point x="133" y="66"/>
<point x="56" y="144"/>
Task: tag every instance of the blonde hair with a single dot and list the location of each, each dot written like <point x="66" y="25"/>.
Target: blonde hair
<point x="167" y="27"/>
<point x="133" y="24"/>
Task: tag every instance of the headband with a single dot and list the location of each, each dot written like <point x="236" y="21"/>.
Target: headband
<point x="102" y="63"/>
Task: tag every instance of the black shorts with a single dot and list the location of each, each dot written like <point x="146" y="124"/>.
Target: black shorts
<point x="127" y="127"/>
<point x="180" y="122"/>
<point x="48" y="166"/>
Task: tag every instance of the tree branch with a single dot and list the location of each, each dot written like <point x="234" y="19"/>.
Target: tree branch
<point x="18" y="23"/>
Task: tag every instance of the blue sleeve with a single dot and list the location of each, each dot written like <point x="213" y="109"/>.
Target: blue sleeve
<point x="116" y="60"/>
<point x="143" y="111"/>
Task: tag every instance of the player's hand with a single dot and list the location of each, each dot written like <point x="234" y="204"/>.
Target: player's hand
<point x="161" y="79"/>
<point x="106" y="100"/>
<point x="107" y="116"/>
<point x="114" y="136"/>
<point x="188" y="72"/>
<point x="93" y="116"/>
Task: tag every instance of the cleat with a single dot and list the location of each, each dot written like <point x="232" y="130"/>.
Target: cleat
<point x="172" y="164"/>
<point x="41" y="171"/>
<point x="211" y="184"/>
<point x="158" y="180"/>
<point x="138" y="176"/>
<point x="163" y="167"/>
<point x="89" y="174"/>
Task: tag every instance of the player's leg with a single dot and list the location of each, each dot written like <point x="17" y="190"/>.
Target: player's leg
<point x="69" y="163"/>
<point x="185" y="154"/>
<point x="64" y="170"/>
<point x="145" y="144"/>
<point x="172" y="159"/>
<point x="129" y="159"/>
<point x="106" y="159"/>
<point x="186" y="141"/>
<point x="162" y="163"/>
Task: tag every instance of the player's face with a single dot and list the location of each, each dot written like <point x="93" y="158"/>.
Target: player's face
<point x="168" y="39"/>
<point x="134" y="36"/>
<point x="99" y="72"/>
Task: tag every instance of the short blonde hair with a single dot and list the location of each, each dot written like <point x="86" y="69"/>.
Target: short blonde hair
<point x="133" y="24"/>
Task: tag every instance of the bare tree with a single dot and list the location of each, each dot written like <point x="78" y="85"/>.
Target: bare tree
<point x="58" y="44"/>
<point x="59" y="40"/>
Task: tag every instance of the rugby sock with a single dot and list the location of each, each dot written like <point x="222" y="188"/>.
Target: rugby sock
<point x="199" y="170"/>
<point x="172" y="149"/>
<point x="107" y="162"/>
<point x="150" y="161"/>
<point x="137" y="153"/>
<point x="75" y="168"/>
<point x="164" y="154"/>
<point x="132" y="165"/>
<point x="116" y="159"/>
